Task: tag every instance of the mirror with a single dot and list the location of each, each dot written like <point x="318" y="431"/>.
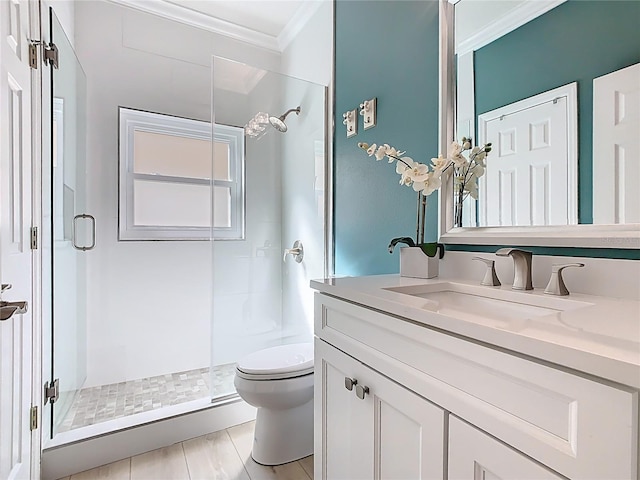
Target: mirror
<point x="546" y="82"/>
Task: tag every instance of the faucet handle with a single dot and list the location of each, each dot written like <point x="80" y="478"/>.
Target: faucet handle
<point x="556" y="284"/>
<point x="507" y="251"/>
<point x="490" y="277"/>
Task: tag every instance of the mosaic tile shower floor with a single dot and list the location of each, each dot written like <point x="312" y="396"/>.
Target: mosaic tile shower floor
<point x="108" y="402"/>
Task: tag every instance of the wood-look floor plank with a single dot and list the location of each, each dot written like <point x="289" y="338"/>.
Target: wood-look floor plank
<point x="166" y="463"/>
<point x="307" y="464"/>
<point x="242" y="438"/>
<point x="214" y="457"/>
<point x="120" y="470"/>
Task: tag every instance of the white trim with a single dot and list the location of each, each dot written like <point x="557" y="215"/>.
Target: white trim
<point x="201" y="20"/>
<point x="446" y="108"/>
<point x="517" y="17"/>
<point x="587" y="236"/>
<point x="131" y="120"/>
<point x="570" y="92"/>
<point x="212" y="24"/>
<point x="302" y="16"/>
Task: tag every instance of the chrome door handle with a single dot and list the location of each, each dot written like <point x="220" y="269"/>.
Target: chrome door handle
<point x="5" y="286"/>
<point x="297" y="252"/>
<point x="8" y="309"/>
<point x="349" y="383"/>
<point x="361" y="391"/>
<point x="93" y="232"/>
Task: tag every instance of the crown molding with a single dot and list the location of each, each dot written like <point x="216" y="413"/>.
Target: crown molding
<point x="187" y="16"/>
<point x="298" y="22"/>
<point x="505" y="24"/>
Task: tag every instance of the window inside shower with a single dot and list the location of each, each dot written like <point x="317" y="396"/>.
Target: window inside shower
<point x="151" y="326"/>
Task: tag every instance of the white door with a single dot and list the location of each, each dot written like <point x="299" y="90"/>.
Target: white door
<point x="528" y="180"/>
<point x="15" y="251"/>
<point x="473" y="455"/>
<point x="616" y="147"/>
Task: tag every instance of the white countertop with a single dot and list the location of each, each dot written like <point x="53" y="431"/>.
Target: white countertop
<point x="597" y="335"/>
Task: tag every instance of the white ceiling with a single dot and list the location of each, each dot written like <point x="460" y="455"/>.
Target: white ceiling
<point x="270" y="24"/>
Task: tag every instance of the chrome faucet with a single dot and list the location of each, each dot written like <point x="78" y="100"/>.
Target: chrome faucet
<point x="521" y="267"/>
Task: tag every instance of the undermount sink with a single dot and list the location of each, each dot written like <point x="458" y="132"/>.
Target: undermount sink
<point x="470" y="302"/>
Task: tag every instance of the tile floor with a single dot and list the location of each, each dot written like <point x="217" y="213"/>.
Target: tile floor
<point x="221" y="455"/>
<point x="108" y="402"/>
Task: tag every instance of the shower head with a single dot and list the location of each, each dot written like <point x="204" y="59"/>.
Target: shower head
<point x="278" y="122"/>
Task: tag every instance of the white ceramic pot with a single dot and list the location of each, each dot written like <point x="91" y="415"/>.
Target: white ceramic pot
<point x="415" y="263"/>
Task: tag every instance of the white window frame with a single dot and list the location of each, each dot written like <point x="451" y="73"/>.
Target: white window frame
<point x="130" y="121"/>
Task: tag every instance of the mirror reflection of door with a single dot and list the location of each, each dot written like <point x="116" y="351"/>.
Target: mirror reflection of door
<point x="533" y="162"/>
<point x="616" y="147"/>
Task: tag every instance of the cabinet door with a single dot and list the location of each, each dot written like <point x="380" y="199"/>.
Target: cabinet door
<point x="474" y="455"/>
<point x="391" y="433"/>
<point x="409" y="432"/>
<point x="343" y="424"/>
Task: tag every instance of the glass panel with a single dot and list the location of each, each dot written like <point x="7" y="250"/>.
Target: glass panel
<point x="171" y="155"/>
<point x="221" y="169"/>
<point x="222" y="206"/>
<point x="259" y="301"/>
<point x="171" y="204"/>
<point x="68" y="120"/>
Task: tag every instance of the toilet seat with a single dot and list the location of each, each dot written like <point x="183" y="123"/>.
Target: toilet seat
<point x="283" y="361"/>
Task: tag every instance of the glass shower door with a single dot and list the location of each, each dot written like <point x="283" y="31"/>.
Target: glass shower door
<point x="73" y="230"/>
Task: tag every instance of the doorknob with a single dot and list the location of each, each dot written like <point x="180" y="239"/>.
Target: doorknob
<point x="361" y="391"/>
<point x="349" y="383"/>
<point x="8" y="309"/>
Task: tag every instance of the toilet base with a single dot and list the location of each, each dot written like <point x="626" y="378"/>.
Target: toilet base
<point x="283" y="436"/>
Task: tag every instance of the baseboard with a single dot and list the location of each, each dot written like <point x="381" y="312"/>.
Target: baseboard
<point x="63" y="460"/>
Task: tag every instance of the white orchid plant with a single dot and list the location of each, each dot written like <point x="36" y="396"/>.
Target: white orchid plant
<point x="466" y="170"/>
<point x="426" y="179"/>
<point x="423" y="179"/>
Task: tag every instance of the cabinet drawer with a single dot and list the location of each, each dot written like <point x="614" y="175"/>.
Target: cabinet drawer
<point x="578" y="427"/>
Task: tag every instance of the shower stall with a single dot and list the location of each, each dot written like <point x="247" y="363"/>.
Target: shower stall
<point x="179" y="239"/>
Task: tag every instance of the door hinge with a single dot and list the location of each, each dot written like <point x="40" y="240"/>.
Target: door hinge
<point x="34" y="238"/>
<point x="33" y="56"/>
<point x="51" y="392"/>
<point x="51" y="55"/>
<point x="33" y="421"/>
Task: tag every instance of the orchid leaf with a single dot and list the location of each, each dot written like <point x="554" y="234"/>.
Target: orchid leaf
<point x="406" y="240"/>
<point x="431" y="249"/>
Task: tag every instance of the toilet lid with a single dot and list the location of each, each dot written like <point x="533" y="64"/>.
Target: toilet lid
<point x="296" y="358"/>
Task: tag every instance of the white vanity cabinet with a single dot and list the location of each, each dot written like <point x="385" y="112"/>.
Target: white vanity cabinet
<point x="377" y="429"/>
<point x="475" y="455"/>
<point x="497" y="414"/>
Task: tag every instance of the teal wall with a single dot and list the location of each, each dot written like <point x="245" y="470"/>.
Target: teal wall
<point x="576" y="41"/>
<point x="388" y="50"/>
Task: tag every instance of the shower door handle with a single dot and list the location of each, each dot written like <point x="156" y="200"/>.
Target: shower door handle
<point x="93" y="232"/>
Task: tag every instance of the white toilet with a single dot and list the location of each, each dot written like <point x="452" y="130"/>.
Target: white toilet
<point x="279" y="382"/>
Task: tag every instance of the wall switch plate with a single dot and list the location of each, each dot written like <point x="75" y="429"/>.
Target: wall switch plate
<point x="351" y="122"/>
<point x="368" y="112"/>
